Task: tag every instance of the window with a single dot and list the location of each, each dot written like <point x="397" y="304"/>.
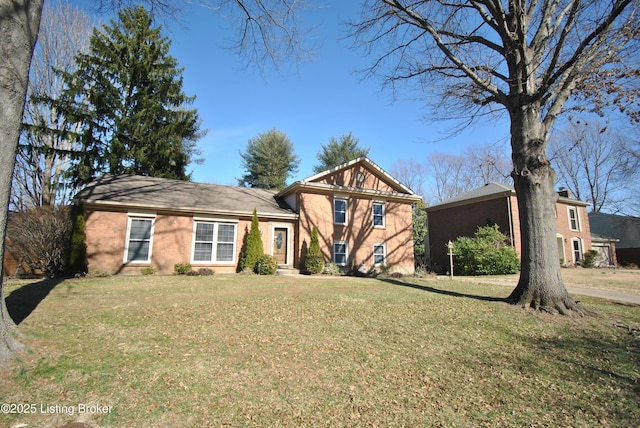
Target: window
<point x="378" y="214"/>
<point x="340" y="211"/>
<point x="214" y="242"/>
<point x="574" y="222"/>
<point x="379" y="254"/>
<point x="139" y="240"/>
<point x="577" y="250"/>
<point x="340" y="253"/>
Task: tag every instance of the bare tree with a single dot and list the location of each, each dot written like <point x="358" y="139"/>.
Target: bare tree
<point x="593" y="161"/>
<point x="268" y="33"/>
<point x="43" y="153"/>
<point x="527" y="57"/>
<point x="411" y="173"/>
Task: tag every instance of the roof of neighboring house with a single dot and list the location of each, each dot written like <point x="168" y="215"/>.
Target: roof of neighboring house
<point x="141" y="192"/>
<point x="624" y="228"/>
<point x="488" y="192"/>
<point x="314" y="182"/>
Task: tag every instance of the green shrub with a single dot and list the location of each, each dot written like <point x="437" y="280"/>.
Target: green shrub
<point x="267" y="265"/>
<point x="253" y="248"/>
<point x="487" y="253"/>
<point x="314" y="261"/>
<point x="332" y="269"/>
<point x="589" y="259"/>
<point x="148" y="270"/>
<point x="181" y="268"/>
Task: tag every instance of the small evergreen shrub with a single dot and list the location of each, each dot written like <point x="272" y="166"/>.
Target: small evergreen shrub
<point x="589" y="259"/>
<point x="253" y="249"/>
<point x="332" y="269"/>
<point x="148" y="270"/>
<point x="267" y="265"/>
<point x="487" y="253"/>
<point x="314" y="261"/>
<point x="181" y="268"/>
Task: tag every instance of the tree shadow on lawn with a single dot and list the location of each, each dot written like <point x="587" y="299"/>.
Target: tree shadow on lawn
<point x="444" y="292"/>
<point x="23" y="301"/>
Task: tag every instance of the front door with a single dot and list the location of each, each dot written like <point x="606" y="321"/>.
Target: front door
<point x="280" y="245"/>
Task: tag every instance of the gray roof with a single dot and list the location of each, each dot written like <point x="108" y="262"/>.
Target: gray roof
<point x="626" y="229"/>
<point x="135" y="191"/>
<point x="488" y="191"/>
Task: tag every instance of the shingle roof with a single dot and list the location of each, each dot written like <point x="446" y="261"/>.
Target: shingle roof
<point x="159" y="193"/>
<point x="626" y="229"/>
<point x="488" y="191"/>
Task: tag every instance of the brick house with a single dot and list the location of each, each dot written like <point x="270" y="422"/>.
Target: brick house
<point x="363" y="216"/>
<point x="496" y="203"/>
<point x="625" y="230"/>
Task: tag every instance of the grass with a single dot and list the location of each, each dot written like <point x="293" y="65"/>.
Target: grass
<point x="286" y="351"/>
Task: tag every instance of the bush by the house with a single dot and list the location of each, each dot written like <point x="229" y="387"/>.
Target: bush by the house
<point x="40" y="238"/>
<point x="181" y="268"/>
<point x="332" y="269"/>
<point x="487" y="253"/>
<point x="267" y="265"/>
<point x="148" y="270"/>
<point x="253" y="248"/>
<point x="314" y="261"/>
<point x="589" y="259"/>
<point x="77" y="262"/>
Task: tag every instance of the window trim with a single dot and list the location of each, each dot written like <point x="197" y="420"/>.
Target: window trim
<point x="139" y="216"/>
<point x="575" y="210"/>
<point x="346" y="210"/>
<point x="383" y="215"/>
<point x="346" y="253"/>
<point x="580" y="249"/>
<point x="384" y="253"/>
<point x="216" y="222"/>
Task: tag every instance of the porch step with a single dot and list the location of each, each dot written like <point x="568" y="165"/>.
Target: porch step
<point x="287" y="270"/>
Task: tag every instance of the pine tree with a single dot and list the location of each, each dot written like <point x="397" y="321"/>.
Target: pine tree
<point x="314" y="261"/>
<point x="339" y="152"/>
<point x="268" y="161"/>
<point x="127" y="95"/>
<point x="253" y="249"/>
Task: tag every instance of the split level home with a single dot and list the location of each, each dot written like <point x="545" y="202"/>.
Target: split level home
<point x="625" y="230"/>
<point x="363" y="217"/>
<point x="496" y="203"/>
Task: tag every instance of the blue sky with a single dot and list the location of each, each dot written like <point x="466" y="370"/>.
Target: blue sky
<point x="325" y="98"/>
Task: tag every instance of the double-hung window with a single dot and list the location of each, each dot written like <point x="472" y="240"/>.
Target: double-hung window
<point x="574" y="221"/>
<point x="340" y="256"/>
<point x="139" y="234"/>
<point x="379" y="254"/>
<point x="378" y="214"/>
<point x="214" y="242"/>
<point x="340" y="210"/>
<point x="577" y="250"/>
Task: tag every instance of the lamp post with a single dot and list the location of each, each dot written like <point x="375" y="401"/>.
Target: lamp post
<point x="450" y="248"/>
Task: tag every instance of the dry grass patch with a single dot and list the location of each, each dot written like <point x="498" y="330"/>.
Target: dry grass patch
<point x="285" y="351"/>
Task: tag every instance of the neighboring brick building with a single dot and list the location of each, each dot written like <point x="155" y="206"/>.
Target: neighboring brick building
<point x="363" y="216"/>
<point x="625" y="230"/>
<point x="496" y="203"/>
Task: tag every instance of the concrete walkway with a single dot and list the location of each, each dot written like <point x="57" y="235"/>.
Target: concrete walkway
<point x="613" y="295"/>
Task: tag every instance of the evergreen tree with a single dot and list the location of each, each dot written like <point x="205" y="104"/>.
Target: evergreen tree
<point x="268" y="161"/>
<point x="339" y="152"/>
<point x="419" y="217"/>
<point x="314" y="261"/>
<point x="253" y="249"/>
<point x="127" y="95"/>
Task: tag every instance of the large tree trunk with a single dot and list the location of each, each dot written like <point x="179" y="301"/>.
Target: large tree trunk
<point x="19" y="22"/>
<point x="540" y="285"/>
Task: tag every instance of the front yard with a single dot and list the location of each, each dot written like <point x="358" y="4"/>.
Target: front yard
<point x="296" y="351"/>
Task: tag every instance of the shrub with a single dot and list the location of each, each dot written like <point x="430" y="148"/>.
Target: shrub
<point x="487" y="253"/>
<point x="148" y="270"/>
<point x="41" y="238"/>
<point x="253" y="248"/>
<point x="181" y="268"/>
<point x="314" y="261"/>
<point x="77" y="260"/>
<point x="205" y="272"/>
<point x="267" y="265"/>
<point x="332" y="269"/>
<point x="589" y="260"/>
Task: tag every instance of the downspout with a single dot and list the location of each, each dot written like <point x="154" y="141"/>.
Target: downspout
<point x="513" y="244"/>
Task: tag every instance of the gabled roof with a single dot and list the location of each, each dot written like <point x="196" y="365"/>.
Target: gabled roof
<point x="141" y="192"/>
<point x="400" y="191"/>
<point x="626" y="229"/>
<point x="488" y="192"/>
<point x="484" y="193"/>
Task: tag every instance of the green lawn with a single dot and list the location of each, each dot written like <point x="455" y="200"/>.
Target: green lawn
<point x="314" y="351"/>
